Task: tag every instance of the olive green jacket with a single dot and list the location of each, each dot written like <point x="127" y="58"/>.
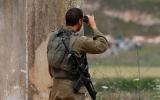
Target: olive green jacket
<point x="81" y="45"/>
<point x="92" y="45"/>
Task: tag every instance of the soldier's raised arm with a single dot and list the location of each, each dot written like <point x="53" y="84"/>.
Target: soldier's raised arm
<point x="97" y="44"/>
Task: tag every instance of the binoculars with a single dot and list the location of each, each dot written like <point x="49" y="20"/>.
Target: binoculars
<point x="85" y="19"/>
<point x="87" y="29"/>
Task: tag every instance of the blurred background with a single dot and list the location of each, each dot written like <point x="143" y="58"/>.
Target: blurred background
<point x="130" y="68"/>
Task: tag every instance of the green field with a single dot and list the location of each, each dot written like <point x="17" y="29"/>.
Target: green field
<point x="115" y="84"/>
<point x="146" y="56"/>
<point x="127" y="76"/>
<point x="128" y="88"/>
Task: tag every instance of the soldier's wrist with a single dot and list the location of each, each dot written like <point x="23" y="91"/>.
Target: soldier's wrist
<point x="94" y="28"/>
<point x="97" y="32"/>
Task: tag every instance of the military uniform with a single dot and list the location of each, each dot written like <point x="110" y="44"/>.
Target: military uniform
<point x="62" y="88"/>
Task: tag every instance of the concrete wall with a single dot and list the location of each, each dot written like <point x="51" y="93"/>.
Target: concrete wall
<point x="12" y="50"/>
<point x="24" y="30"/>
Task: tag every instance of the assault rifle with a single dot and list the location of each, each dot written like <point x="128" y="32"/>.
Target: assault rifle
<point x="83" y="74"/>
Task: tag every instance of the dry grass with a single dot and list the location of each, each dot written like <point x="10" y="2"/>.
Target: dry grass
<point x="124" y="72"/>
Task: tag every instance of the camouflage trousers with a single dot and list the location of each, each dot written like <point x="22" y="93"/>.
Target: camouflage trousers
<point x="62" y="89"/>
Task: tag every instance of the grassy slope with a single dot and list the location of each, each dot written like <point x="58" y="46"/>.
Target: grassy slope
<point x="149" y="6"/>
<point x="117" y="26"/>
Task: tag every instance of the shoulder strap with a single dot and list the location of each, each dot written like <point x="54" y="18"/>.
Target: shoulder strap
<point x="72" y="41"/>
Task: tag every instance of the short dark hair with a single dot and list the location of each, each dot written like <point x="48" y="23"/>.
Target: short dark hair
<point x="73" y="15"/>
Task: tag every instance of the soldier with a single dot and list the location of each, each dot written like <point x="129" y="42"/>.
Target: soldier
<point x="60" y="68"/>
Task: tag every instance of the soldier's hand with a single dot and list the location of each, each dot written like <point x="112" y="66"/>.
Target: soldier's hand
<point x="92" y="22"/>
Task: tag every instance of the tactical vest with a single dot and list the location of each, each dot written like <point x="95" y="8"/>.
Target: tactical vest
<point x="58" y="59"/>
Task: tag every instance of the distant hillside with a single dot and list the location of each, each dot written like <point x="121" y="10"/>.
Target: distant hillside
<point x="126" y="17"/>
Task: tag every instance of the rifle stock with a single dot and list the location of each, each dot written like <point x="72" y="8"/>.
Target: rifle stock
<point x="88" y="84"/>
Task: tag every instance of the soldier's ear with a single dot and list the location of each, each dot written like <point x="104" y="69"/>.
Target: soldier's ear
<point x="80" y="21"/>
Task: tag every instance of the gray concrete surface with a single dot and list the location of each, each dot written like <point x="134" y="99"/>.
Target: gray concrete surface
<point x="25" y="26"/>
<point x="12" y="50"/>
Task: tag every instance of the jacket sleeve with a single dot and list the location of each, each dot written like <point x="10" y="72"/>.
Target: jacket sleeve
<point x="93" y="45"/>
